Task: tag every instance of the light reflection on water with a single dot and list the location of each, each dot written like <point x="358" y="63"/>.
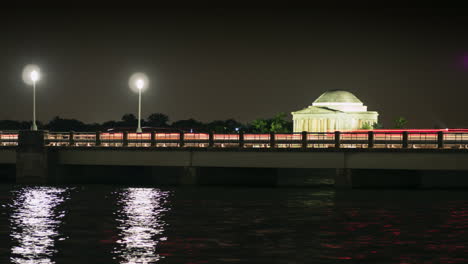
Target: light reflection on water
<point x="110" y="225"/>
<point x="140" y="224"/>
<point x="34" y="224"/>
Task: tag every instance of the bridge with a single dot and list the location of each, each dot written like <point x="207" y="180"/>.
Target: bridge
<point x="415" y="138"/>
<point x="183" y="158"/>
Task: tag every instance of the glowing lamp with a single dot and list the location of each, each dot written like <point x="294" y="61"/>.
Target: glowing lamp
<point x="138" y="82"/>
<point x="34" y="76"/>
<point x="31" y="74"/>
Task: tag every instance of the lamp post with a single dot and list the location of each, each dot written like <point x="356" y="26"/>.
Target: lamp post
<point x="31" y="75"/>
<point x="34" y="79"/>
<point x="138" y="83"/>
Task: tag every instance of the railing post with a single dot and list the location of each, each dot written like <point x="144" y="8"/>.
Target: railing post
<point x="272" y="140"/>
<point x="211" y="139"/>
<point x="440" y="139"/>
<point x="405" y="139"/>
<point x="370" y="138"/>
<point x="241" y="139"/>
<point x="71" y="140"/>
<point x="153" y="139"/>
<point x="181" y="139"/>
<point x="98" y="138"/>
<point x="304" y="139"/>
<point x="125" y="139"/>
<point x="337" y="139"/>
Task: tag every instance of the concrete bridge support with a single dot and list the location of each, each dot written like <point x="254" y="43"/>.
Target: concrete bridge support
<point x="37" y="163"/>
<point x="189" y="176"/>
<point x="174" y="175"/>
<point x="343" y="179"/>
<point x="33" y="164"/>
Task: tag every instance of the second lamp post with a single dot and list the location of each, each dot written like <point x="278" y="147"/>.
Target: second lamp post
<point x="138" y="82"/>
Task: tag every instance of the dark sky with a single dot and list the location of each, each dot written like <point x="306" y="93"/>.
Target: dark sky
<point x="212" y="64"/>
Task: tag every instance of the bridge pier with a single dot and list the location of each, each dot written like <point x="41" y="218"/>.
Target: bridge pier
<point x="189" y="176"/>
<point x="33" y="162"/>
<point x="302" y="177"/>
<point x="174" y="175"/>
<point x="343" y="178"/>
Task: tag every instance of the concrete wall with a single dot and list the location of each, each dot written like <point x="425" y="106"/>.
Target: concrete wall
<point x="344" y="168"/>
<point x="124" y="157"/>
<point x="407" y="160"/>
<point x="165" y="175"/>
<point x="401" y="160"/>
<point x="7" y="155"/>
<point x="7" y="173"/>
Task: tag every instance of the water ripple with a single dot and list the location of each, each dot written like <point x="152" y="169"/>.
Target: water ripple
<point x="34" y="224"/>
<point x="140" y="224"/>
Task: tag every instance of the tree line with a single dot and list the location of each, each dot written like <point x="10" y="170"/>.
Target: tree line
<point x="277" y="124"/>
<point x="399" y="123"/>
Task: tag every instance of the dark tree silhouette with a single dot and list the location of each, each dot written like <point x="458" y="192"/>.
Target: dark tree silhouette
<point x="64" y="124"/>
<point x="189" y="124"/>
<point x="259" y="126"/>
<point x="11" y="125"/>
<point x="377" y="126"/>
<point x="109" y="124"/>
<point x="129" y="120"/>
<point x="157" y="120"/>
<point x="276" y="124"/>
<point x="400" y="122"/>
<point x="226" y="126"/>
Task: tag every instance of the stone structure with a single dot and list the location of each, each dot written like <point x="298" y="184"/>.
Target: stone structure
<point x="332" y="111"/>
<point x="32" y="159"/>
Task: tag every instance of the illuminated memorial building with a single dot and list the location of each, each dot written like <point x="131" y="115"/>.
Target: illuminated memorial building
<point x="334" y="110"/>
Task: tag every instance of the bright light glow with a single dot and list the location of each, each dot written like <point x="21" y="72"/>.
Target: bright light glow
<point x="31" y="74"/>
<point x="36" y="222"/>
<point x="140" y="224"/>
<point x="138" y="82"/>
<point x="34" y="76"/>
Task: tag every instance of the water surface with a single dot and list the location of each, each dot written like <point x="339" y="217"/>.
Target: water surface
<point x="121" y="224"/>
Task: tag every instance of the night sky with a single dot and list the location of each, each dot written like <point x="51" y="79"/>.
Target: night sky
<point x="244" y="64"/>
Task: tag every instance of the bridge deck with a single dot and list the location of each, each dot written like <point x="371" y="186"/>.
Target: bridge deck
<point x="409" y="159"/>
<point x="362" y="139"/>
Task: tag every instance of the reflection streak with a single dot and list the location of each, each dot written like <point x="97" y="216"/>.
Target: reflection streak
<point x="139" y="224"/>
<point x="35" y="223"/>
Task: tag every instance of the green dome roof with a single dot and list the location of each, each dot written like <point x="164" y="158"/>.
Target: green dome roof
<point x="337" y="96"/>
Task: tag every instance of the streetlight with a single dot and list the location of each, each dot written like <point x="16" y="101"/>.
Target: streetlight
<point x="31" y="74"/>
<point x="139" y="82"/>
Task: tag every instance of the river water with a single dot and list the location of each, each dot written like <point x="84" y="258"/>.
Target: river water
<point x="120" y="224"/>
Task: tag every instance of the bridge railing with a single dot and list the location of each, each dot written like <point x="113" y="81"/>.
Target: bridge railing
<point x="455" y="140"/>
<point x="388" y="140"/>
<point x="8" y="138"/>
<point x="304" y="140"/>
